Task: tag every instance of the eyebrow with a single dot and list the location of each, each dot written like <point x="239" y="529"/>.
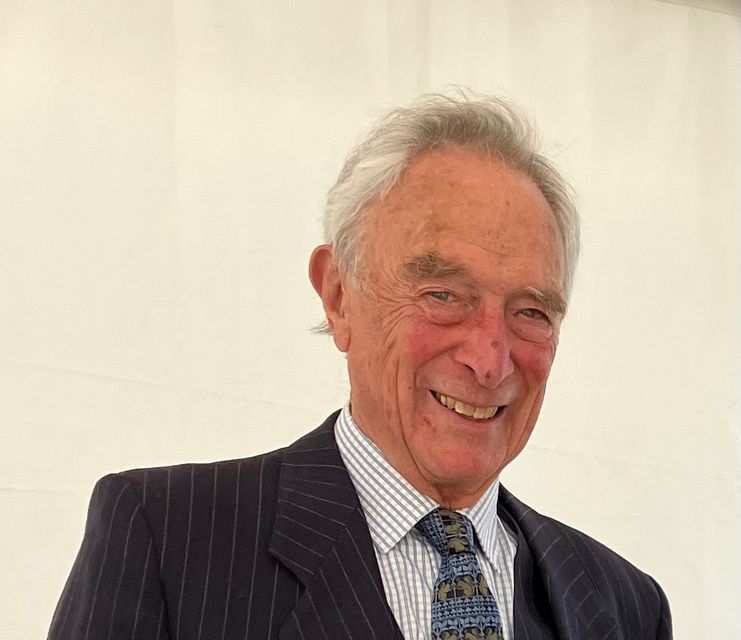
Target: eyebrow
<point x="549" y="299"/>
<point x="432" y="265"/>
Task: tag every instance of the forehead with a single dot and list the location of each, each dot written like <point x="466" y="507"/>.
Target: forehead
<point x="469" y="209"/>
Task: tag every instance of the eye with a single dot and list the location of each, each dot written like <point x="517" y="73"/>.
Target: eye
<point x="441" y="296"/>
<point x="534" y="314"/>
<point x="444" y="307"/>
<point x="532" y="324"/>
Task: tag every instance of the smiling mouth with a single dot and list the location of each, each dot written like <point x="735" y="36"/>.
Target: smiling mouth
<point x="466" y="410"/>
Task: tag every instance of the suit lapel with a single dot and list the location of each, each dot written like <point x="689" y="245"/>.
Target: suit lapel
<point x="320" y="534"/>
<point x="577" y="607"/>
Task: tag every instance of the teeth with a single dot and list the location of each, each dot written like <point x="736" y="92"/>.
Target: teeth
<point x="478" y="413"/>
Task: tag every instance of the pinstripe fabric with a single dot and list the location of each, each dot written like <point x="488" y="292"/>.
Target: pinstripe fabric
<point x="277" y="546"/>
<point x="407" y="562"/>
<point x="171" y="553"/>
<point x="591" y="592"/>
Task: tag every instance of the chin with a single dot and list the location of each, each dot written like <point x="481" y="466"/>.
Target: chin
<point x="465" y="468"/>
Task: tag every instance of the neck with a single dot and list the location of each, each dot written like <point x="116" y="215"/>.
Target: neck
<point x="450" y="497"/>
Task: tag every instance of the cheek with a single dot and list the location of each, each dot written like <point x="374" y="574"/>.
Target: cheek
<point x="424" y="341"/>
<point x="535" y="361"/>
<point x="419" y="338"/>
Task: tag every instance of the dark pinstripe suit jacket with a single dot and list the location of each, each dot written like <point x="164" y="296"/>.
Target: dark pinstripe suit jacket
<point x="277" y="546"/>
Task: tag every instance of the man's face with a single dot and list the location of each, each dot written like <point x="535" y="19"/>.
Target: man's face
<point x="451" y="332"/>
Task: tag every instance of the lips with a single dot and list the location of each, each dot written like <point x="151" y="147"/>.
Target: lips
<point x="464" y="409"/>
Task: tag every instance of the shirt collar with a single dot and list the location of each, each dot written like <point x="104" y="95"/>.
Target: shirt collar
<point x="485" y="520"/>
<point x="391" y="505"/>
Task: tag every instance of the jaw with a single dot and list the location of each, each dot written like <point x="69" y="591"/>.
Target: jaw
<point x="450" y="457"/>
<point x="458" y="456"/>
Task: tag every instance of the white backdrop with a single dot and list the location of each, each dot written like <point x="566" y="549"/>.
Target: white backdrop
<point x="162" y="172"/>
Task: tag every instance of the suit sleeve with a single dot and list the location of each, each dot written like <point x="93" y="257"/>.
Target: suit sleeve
<point x="664" y="631"/>
<point x="114" y="590"/>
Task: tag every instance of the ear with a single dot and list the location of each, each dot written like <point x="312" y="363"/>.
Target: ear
<point x="328" y="283"/>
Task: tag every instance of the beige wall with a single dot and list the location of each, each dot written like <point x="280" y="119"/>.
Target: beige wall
<point x="162" y="173"/>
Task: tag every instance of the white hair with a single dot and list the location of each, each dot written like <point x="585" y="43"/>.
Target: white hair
<point x="490" y="126"/>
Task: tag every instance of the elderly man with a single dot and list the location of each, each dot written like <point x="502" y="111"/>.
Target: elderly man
<point x="451" y="248"/>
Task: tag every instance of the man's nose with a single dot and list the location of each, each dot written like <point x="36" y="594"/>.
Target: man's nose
<point x="486" y="350"/>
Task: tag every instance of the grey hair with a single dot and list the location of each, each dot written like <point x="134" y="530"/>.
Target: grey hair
<point x="490" y="126"/>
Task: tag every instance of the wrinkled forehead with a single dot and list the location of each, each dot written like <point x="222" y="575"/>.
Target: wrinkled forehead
<point x="451" y="195"/>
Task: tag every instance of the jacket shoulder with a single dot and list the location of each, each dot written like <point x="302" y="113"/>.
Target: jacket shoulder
<point x="630" y="595"/>
<point x="167" y="552"/>
<point x="606" y="567"/>
<point x="152" y="484"/>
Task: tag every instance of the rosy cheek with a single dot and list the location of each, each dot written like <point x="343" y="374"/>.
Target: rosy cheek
<point x="425" y="339"/>
<point x="535" y="360"/>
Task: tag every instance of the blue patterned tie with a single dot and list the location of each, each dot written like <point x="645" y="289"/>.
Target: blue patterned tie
<point x="463" y="605"/>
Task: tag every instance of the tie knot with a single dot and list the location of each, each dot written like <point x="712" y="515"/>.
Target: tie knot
<point x="448" y="531"/>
